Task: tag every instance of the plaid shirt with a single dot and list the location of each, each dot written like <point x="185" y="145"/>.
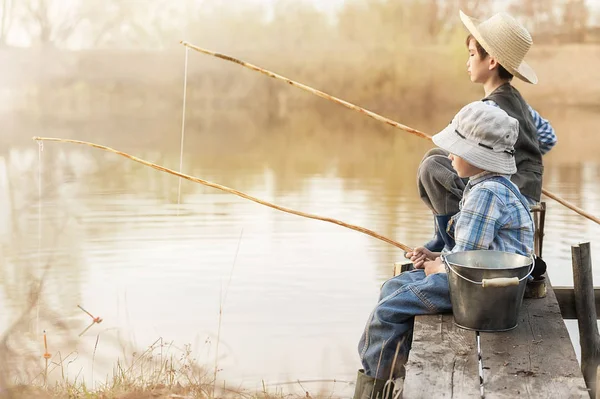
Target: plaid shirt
<point x="492" y="217"/>
<point x="546" y="135"/>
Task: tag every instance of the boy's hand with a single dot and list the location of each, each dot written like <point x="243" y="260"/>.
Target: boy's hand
<point x="419" y="255"/>
<point x="434" y="266"/>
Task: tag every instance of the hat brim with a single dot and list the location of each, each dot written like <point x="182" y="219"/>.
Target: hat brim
<point x="476" y="155"/>
<point x="522" y="71"/>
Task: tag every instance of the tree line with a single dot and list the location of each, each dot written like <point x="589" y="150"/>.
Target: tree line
<point x="159" y="24"/>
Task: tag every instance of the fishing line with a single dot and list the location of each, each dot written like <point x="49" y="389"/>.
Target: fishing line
<point x="39" y="250"/>
<point x="185" y="73"/>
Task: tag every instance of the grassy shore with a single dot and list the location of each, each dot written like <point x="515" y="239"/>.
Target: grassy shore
<point x="161" y="371"/>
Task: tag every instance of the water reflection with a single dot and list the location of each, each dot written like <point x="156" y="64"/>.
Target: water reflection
<point x="299" y="291"/>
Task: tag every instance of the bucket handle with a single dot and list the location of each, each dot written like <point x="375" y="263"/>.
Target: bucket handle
<point x="492" y="282"/>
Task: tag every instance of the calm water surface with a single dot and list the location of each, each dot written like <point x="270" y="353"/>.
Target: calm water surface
<point x="295" y="293"/>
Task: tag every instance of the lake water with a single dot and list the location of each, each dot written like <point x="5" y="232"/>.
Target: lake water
<point x="295" y="293"/>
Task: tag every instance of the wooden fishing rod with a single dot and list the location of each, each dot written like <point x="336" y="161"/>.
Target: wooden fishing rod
<point x="311" y="90"/>
<point x="363" y="111"/>
<point x="232" y="191"/>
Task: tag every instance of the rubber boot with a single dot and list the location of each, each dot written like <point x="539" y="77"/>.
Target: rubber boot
<point x="442" y="223"/>
<point x="436" y="244"/>
<point x="539" y="268"/>
<point x="372" y="388"/>
<point x="441" y="238"/>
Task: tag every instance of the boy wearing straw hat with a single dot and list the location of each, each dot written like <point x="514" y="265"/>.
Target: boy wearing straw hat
<point x="493" y="215"/>
<point x="497" y="47"/>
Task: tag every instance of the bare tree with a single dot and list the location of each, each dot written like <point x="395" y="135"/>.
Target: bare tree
<point x="94" y="23"/>
<point x="539" y="16"/>
<point x="103" y="20"/>
<point x="476" y="8"/>
<point x="124" y="23"/>
<point x="299" y="23"/>
<point x="49" y="22"/>
<point x="419" y="20"/>
<point x="7" y="20"/>
<point x="441" y="16"/>
<point x="575" y="20"/>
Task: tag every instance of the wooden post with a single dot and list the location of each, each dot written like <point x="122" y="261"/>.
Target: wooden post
<point x="597" y="375"/>
<point x="585" y="307"/>
<point x="540" y="221"/>
<point x="537" y="288"/>
<point x="402" y="266"/>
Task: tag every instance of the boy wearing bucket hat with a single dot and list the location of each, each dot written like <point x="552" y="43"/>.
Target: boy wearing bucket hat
<point x="493" y="215"/>
<point x="497" y="47"/>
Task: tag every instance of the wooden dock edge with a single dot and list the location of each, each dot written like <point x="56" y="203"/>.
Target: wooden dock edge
<point x="535" y="360"/>
<point x="566" y="301"/>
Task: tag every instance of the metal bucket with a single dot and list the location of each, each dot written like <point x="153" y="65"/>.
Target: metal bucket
<point x="486" y="288"/>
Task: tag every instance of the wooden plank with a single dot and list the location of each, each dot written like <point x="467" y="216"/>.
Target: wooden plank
<point x="536" y="359"/>
<point x="566" y="301"/>
<point x="442" y="362"/>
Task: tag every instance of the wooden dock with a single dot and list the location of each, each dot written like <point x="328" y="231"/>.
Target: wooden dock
<point x="535" y="360"/>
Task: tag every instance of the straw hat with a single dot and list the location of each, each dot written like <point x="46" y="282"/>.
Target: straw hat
<point x="482" y="135"/>
<point x="506" y="40"/>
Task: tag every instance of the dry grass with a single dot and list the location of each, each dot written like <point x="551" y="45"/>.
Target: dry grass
<point x="161" y="371"/>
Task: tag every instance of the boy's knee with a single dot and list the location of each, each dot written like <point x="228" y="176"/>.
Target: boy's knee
<point x="395" y="283"/>
<point x="383" y="314"/>
<point x="432" y="169"/>
<point x="389" y="287"/>
<point x="433" y="152"/>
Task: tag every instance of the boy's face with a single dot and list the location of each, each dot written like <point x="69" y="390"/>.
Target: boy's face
<point x="478" y="69"/>
<point x="462" y="167"/>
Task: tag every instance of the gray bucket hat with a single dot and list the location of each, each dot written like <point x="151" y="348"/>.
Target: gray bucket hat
<point x="484" y="136"/>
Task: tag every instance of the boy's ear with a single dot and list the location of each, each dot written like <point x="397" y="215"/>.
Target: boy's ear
<point x="493" y="63"/>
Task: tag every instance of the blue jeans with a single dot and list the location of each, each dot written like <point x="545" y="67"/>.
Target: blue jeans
<point x="391" y="322"/>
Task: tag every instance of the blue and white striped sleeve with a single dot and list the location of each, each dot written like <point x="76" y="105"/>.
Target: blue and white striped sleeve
<point x="546" y="136"/>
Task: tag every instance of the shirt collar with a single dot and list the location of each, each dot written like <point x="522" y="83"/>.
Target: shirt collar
<point x="478" y="178"/>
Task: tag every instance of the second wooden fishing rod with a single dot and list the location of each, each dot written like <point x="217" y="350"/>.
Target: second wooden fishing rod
<point x="371" y="114"/>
